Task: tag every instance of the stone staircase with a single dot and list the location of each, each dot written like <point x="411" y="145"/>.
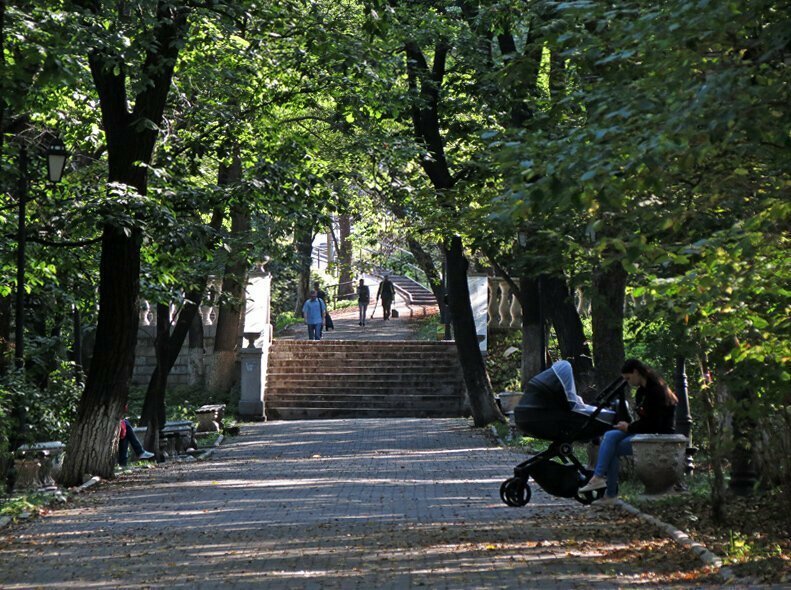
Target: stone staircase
<point x="417" y="293"/>
<point x="364" y="379"/>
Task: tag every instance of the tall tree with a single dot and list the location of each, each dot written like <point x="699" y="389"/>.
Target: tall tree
<point x="131" y="135"/>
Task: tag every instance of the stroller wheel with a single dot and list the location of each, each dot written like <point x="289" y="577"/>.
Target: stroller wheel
<point x="515" y="492"/>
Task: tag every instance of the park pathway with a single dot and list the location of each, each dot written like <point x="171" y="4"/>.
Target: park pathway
<point x="358" y="504"/>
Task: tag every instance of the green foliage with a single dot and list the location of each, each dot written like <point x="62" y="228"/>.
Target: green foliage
<point x="427" y="328"/>
<point x="284" y="320"/>
<point x="26" y="503"/>
<point x="505" y="372"/>
<point x="48" y="413"/>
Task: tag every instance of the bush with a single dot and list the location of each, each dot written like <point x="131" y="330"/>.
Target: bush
<point x="505" y="373"/>
<point x="284" y="320"/>
<point x="48" y="413"/>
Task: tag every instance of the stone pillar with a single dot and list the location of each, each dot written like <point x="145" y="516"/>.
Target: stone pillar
<point x="516" y="312"/>
<point x="504" y="309"/>
<point x="251" y="401"/>
<point x="258" y="336"/>
<point x="494" y="291"/>
<point x="479" y="296"/>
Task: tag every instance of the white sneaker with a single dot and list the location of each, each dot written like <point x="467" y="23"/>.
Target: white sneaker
<point x="595" y="483"/>
<point x="606" y="501"/>
<point x="146" y="455"/>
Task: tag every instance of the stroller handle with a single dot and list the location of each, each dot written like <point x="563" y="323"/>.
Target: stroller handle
<point x="609" y="392"/>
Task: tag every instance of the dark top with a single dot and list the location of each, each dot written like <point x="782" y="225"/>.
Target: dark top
<point x="322" y="295"/>
<point x="654" y="417"/>
<point x="363" y="294"/>
<point x="386" y="290"/>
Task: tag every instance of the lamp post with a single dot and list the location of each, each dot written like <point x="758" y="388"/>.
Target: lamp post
<point x="56" y="163"/>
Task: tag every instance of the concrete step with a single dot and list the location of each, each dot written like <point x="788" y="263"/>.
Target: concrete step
<point x="400" y="345"/>
<point x="312" y="413"/>
<point x="373" y="378"/>
<point x="367" y="401"/>
<point x="344" y="372"/>
<point x="331" y="391"/>
<point x="362" y="355"/>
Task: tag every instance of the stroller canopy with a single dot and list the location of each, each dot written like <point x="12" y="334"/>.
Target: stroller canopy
<point x="558" y="381"/>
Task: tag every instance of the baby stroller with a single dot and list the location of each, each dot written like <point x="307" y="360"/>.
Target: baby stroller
<point x="550" y="409"/>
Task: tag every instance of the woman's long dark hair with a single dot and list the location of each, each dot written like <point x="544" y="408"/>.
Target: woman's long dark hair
<point x="650" y="376"/>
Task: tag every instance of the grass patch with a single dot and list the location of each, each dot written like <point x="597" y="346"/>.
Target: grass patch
<point x="752" y="538"/>
<point x="30" y="503"/>
<point x="286" y="319"/>
<point x="427" y="328"/>
<point x="207" y="440"/>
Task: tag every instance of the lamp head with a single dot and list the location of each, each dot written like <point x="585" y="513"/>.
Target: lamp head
<point x="56" y="159"/>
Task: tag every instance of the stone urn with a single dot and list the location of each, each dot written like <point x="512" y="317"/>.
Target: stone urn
<point x="659" y="460"/>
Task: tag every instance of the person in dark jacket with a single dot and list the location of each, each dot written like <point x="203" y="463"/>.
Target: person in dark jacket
<point x="656" y="408"/>
<point x="387" y="293"/>
<point x="363" y="299"/>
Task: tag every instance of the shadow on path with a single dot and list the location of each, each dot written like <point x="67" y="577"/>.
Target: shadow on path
<point x="365" y="504"/>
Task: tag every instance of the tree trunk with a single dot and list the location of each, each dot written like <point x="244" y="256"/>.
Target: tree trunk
<point x="560" y="310"/>
<point x="93" y="444"/>
<point x="303" y="239"/>
<point x="533" y="345"/>
<point x="713" y="396"/>
<point x="426" y="264"/>
<point x="222" y="371"/>
<point x="479" y="388"/>
<point x="168" y="346"/>
<point x="346" y="279"/>
<point x="609" y="290"/>
<point x="5" y="332"/>
<point x="744" y="476"/>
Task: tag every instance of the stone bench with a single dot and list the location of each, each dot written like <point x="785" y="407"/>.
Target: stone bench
<point x="175" y="438"/>
<point x="210" y="417"/>
<point x="37" y="465"/>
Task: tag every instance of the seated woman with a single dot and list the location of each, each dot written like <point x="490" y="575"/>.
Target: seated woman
<point x="656" y="408"/>
<point x="128" y="437"/>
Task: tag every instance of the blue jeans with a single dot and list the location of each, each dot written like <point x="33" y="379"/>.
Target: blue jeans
<point x="123" y="445"/>
<point x="314" y="331"/>
<point x="614" y="444"/>
<point x="363" y="311"/>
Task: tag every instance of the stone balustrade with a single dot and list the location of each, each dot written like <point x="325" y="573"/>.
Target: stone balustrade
<point x="505" y="311"/>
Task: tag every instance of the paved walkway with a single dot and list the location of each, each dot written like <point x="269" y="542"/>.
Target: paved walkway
<point x="359" y="504"/>
<point x="347" y="326"/>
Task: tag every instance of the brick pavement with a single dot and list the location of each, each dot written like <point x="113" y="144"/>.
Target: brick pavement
<point x="358" y="504"/>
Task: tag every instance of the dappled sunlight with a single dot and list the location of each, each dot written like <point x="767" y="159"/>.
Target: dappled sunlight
<point x="366" y="503"/>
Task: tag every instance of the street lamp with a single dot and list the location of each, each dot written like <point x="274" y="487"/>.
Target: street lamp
<point x="56" y="162"/>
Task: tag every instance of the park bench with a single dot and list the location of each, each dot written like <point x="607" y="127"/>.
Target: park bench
<point x="210" y="417"/>
<point x="175" y="438"/>
<point x="37" y="465"/>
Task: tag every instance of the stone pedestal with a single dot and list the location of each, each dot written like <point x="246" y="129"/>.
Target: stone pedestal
<point x="210" y="417"/>
<point x="38" y="465"/>
<point x="251" y="401"/>
<point x="659" y="460"/>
